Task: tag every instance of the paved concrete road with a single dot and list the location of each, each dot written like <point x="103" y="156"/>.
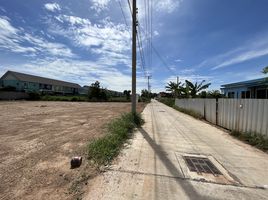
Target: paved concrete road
<point x="153" y="166"/>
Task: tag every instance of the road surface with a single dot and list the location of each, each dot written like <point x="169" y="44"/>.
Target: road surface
<point x="154" y="166"/>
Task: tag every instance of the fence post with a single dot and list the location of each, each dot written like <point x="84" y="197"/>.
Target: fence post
<point x="217" y="107"/>
<point x="204" y="100"/>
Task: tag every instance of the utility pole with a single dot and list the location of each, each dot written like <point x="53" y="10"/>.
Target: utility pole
<point x="177" y="80"/>
<point x="149" y="87"/>
<point x="134" y="33"/>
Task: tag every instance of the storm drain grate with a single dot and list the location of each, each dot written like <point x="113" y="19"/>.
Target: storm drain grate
<point x="201" y="165"/>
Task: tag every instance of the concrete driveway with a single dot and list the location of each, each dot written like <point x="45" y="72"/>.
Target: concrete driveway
<point x="156" y="165"/>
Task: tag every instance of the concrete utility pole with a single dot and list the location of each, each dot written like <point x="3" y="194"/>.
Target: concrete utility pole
<point x="177" y="80"/>
<point x="134" y="32"/>
<point x="149" y="87"/>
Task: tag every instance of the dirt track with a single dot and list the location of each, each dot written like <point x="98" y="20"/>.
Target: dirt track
<point x="37" y="140"/>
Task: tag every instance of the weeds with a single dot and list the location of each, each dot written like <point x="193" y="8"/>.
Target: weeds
<point x="168" y="101"/>
<point x="253" y="139"/>
<point x="104" y="149"/>
<point x="189" y="112"/>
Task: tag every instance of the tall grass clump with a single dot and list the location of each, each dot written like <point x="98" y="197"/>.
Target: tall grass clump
<point x="253" y="139"/>
<point x="104" y="149"/>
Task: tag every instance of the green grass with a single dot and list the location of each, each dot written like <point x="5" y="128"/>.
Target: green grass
<point x="189" y="112"/>
<point x="63" y="98"/>
<point x="253" y="139"/>
<point x="80" y="98"/>
<point x="104" y="149"/>
<point x="168" y="101"/>
<point x="119" y="99"/>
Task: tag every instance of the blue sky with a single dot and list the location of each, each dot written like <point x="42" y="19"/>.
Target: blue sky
<point x="88" y="40"/>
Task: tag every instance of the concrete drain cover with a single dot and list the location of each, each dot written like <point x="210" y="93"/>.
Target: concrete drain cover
<point x="204" y="168"/>
<point x="201" y="165"/>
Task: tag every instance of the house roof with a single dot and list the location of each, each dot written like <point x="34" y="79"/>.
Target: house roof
<point x="39" y="79"/>
<point x="249" y="83"/>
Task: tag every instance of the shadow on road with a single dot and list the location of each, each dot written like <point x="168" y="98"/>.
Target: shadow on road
<point x="184" y="184"/>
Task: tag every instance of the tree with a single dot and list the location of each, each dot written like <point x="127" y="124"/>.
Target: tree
<point x="193" y="89"/>
<point x="173" y="88"/>
<point x="265" y="70"/>
<point x="94" y="91"/>
<point x="127" y="94"/>
<point x="145" y="93"/>
<point x="215" y="94"/>
<point x="145" y="96"/>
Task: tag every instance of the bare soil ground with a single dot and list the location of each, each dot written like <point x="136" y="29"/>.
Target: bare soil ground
<point x="37" y="141"/>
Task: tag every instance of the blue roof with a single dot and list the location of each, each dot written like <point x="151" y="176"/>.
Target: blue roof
<point x="249" y="83"/>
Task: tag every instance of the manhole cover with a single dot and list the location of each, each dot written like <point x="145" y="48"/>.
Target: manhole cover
<point x="201" y="165"/>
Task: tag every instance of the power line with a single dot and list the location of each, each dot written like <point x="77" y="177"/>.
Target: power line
<point x="151" y="53"/>
<point x="163" y="61"/>
<point x="139" y="39"/>
<point x="141" y="52"/>
<point x="160" y="57"/>
<point x="119" y="2"/>
<point x="130" y="9"/>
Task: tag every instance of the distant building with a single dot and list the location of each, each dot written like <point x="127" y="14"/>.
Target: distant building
<point x="254" y="89"/>
<point x="30" y="83"/>
<point x="84" y="90"/>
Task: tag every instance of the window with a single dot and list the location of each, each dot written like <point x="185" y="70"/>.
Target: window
<point x="231" y="94"/>
<point x="245" y="95"/>
<point x="261" y="94"/>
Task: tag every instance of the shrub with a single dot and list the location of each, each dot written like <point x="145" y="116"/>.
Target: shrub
<point x="34" y="96"/>
<point x="253" y="139"/>
<point x="168" y="101"/>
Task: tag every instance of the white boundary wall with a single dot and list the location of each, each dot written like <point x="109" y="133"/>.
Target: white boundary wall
<point x="196" y="105"/>
<point x="244" y="115"/>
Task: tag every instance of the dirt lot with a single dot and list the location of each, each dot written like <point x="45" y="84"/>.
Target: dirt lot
<point x="37" y="140"/>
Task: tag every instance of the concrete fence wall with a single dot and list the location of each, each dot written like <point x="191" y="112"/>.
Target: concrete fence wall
<point x="243" y="115"/>
<point x="210" y="110"/>
<point x="196" y="105"/>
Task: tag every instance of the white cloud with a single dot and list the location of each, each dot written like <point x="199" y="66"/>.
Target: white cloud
<point x="99" y="5"/>
<point x="252" y="49"/>
<point x="242" y="57"/>
<point x="52" y="7"/>
<point x="156" y="33"/>
<point x="17" y="40"/>
<point x="178" y="60"/>
<point x="168" y="6"/>
<point x="109" y="41"/>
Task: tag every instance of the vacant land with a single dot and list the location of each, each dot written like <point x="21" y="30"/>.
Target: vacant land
<point x="37" y="140"/>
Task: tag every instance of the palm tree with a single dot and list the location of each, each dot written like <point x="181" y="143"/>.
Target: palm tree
<point x="173" y="88"/>
<point x="193" y="89"/>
